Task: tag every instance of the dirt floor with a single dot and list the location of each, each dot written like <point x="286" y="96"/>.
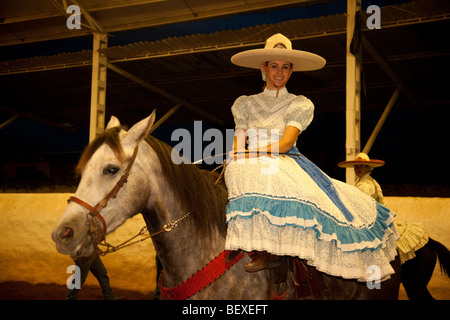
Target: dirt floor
<point x="18" y="290"/>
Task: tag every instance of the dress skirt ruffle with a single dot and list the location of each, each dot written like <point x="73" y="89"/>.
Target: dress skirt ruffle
<point x="413" y="236"/>
<point x="279" y="208"/>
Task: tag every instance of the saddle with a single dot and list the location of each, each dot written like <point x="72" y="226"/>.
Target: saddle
<point x="308" y="281"/>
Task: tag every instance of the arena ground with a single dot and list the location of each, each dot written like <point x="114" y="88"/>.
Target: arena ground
<point x="19" y="290"/>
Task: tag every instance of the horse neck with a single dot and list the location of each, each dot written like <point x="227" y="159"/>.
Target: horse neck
<point x="182" y="253"/>
<point x="185" y="249"/>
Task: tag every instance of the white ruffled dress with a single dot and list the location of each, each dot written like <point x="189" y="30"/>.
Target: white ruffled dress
<point x="287" y="206"/>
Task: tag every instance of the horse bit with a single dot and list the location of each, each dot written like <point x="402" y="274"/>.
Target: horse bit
<point x="97" y="224"/>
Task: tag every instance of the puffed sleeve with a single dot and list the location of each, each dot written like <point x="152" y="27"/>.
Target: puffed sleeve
<point x="240" y="110"/>
<point x="299" y="113"/>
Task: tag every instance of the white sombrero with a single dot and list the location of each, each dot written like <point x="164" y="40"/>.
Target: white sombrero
<point x="361" y="159"/>
<point x="278" y="47"/>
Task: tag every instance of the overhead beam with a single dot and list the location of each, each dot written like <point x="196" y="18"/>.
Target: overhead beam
<point x="381" y="121"/>
<point x="94" y="25"/>
<point x="391" y="73"/>
<point x="164" y="118"/>
<point x="89" y="6"/>
<point x="408" y="17"/>
<point x="45" y="63"/>
<point x="9" y="121"/>
<point x="164" y="93"/>
<point x="37" y="119"/>
<point x="94" y="6"/>
<point x="62" y="7"/>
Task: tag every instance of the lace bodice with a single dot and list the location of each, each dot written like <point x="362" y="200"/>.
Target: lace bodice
<point x="265" y="117"/>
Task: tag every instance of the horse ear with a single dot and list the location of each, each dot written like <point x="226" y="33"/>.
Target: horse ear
<point x="139" y="131"/>
<point x="113" y="122"/>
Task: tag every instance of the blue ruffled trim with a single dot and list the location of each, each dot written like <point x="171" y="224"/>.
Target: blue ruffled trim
<point x="292" y="212"/>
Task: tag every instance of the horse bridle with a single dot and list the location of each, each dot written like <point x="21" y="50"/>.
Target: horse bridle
<point x="97" y="224"/>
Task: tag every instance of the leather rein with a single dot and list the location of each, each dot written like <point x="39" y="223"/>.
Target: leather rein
<point x="97" y="224"/>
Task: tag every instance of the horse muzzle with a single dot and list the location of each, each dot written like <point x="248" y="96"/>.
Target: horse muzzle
<point x="72" y="236"/>
<point x="72" y="242"/>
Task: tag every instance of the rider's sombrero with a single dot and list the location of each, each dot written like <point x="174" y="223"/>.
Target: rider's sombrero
<point x="278" y="47"/>
<point x="361" y="159"/>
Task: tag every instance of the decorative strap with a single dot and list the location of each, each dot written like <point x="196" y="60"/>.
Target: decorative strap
<point x="92" y="211"/>
<point x="81" y="203"/>
<point x="95" y="211"/>
<point x="199" y="280"/>
<point x="323" y="182"/>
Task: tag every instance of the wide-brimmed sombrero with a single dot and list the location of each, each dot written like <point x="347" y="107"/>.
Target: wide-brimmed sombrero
<point x="279" y="48"/>
<point x="361" y="159"/>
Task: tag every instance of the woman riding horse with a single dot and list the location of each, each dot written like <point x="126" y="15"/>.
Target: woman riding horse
<point x="280" y="203"/>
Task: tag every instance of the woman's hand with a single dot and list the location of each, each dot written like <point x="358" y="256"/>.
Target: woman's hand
<point x="281" y="146"/>
<point x="273" y="150"/>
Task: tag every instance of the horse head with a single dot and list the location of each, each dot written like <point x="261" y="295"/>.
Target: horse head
<point x="112" y="188"/>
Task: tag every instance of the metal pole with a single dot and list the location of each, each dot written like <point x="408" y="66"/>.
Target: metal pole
<point x="387" y="68"/>
<point x="353" y="89"/>
<point x="9" y="121"/>
<point x="164" y="118"/>
<point x="98" y="85"/>
<point x="164" y="93"/>
<point x="381" y="121"/>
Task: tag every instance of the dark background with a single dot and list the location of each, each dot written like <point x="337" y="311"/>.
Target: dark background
<point x="39" y="149"/>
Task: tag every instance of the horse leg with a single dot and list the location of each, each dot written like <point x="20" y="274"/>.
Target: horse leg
<point x="417" y="272"/>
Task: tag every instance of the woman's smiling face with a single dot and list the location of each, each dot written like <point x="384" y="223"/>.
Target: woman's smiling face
<point x="277" y="72"/>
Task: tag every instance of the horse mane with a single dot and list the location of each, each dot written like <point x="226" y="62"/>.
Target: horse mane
<point x="194" y="188"/>
<point x="111" y="138"/>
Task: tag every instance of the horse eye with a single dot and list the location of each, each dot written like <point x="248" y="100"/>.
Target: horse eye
<point x="110" y="170"/>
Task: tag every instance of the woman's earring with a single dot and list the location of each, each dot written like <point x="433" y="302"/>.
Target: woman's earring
<point x="263" y="75"/>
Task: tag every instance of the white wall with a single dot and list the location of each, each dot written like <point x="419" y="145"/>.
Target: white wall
<point x="27" y="252"/>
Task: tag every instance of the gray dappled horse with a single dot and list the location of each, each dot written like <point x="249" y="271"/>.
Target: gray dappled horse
<point x="128" y="172"/>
